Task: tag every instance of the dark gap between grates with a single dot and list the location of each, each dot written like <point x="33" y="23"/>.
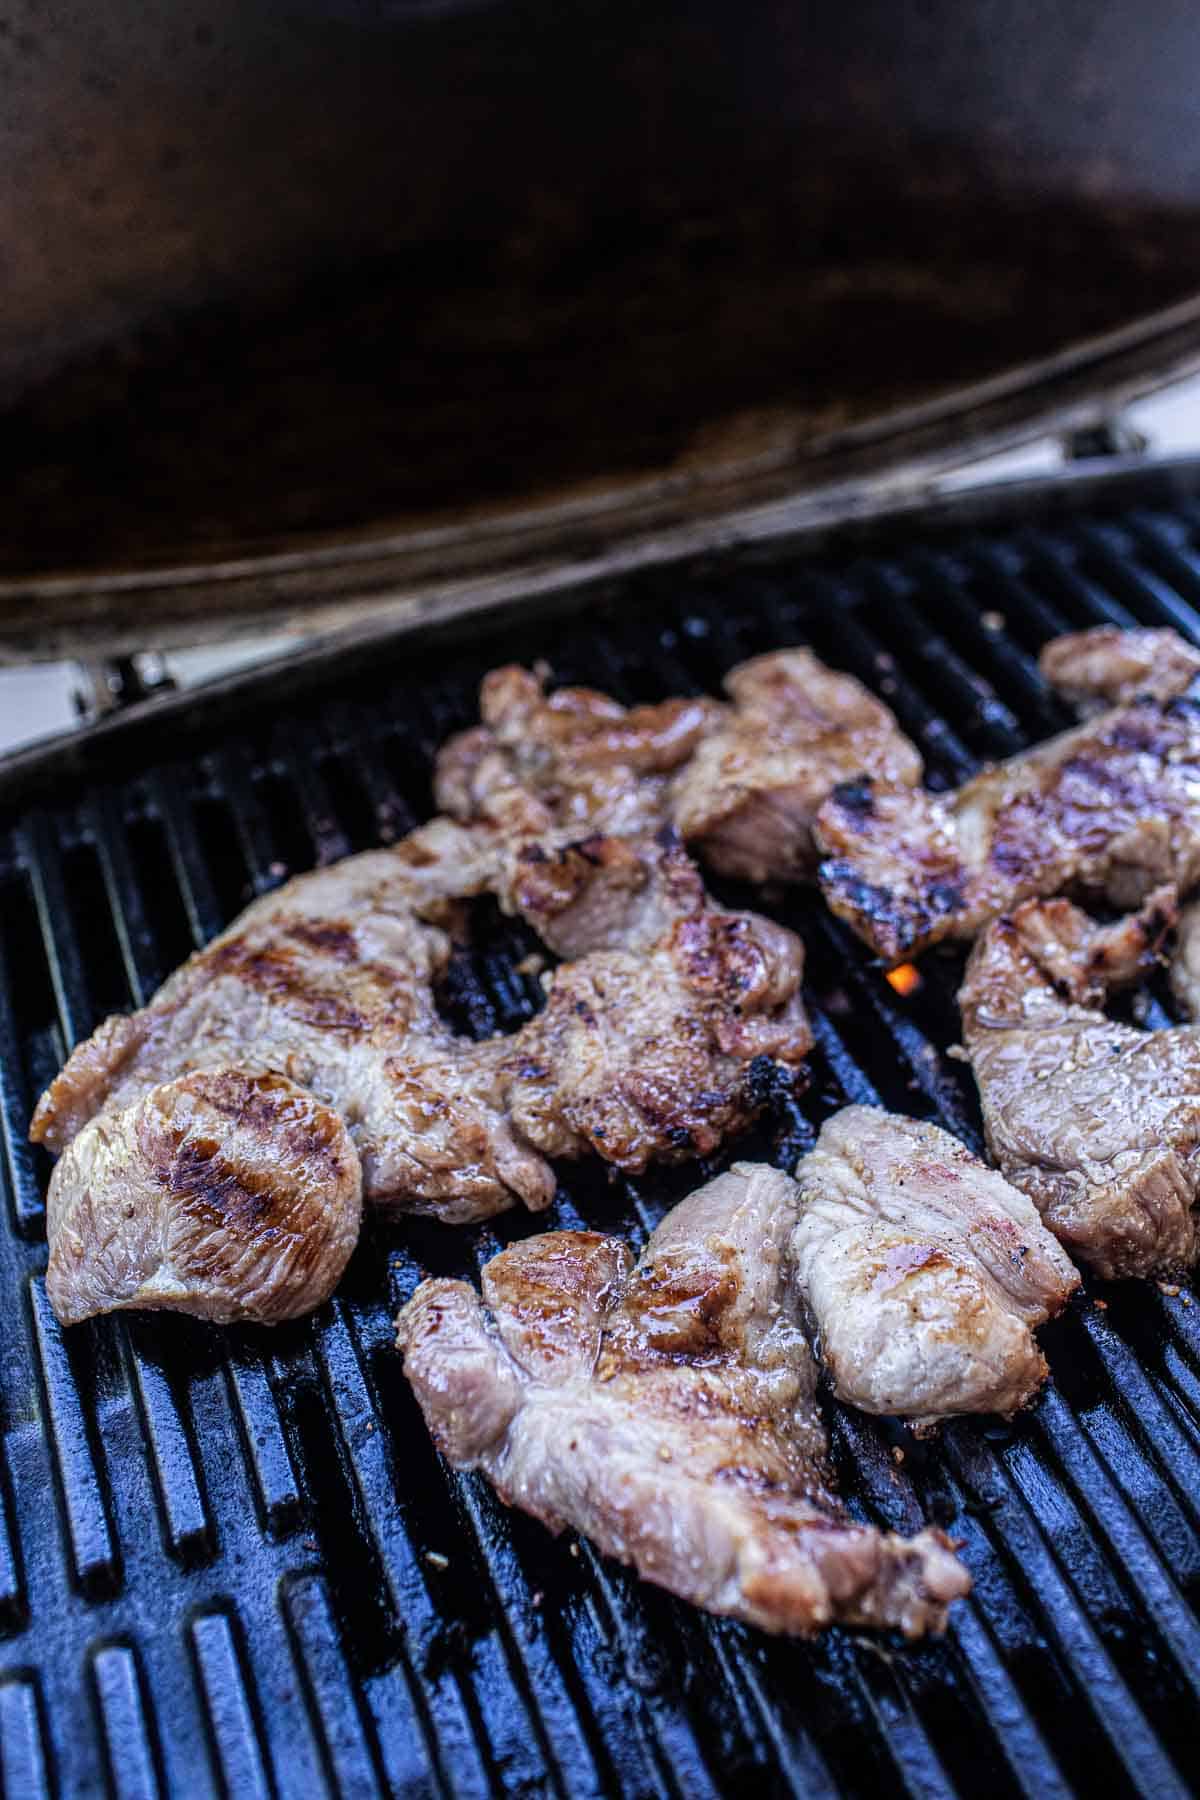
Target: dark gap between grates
<point x="277" y="800"/>
<point x="158" y="892"/>
<point x="95" y="931"/>
<point x="352" y="801"/>
<point x="222" y="853"/>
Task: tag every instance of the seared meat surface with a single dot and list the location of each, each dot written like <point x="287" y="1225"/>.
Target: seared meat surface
<point x="740" y="781"/>
<point x="640" y="1053"/>
<point x="923" y="1270"/>
<point x="1109" y="667"/>
<point x="665" y="1409"/>
<point x="221" y="1193"/>
<point x="655" y="1056"/>
<point x="1110" y="809"/>
<point x="573" y="759"/>
<point x="329" y="982"/>
<point x="747" y="798"/>
<point x="1185" y="961"/>
<point x="1097" y="1121"/>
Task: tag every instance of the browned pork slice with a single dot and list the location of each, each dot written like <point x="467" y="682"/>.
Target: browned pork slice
<point x="666" y="1410"/>
<point x="923" y="1271"/>
<point x="1110" y="667"/>
<point x="740" y="781"/>
<point x="221" y="1193"/>
<point x="649" y="1052"/>
<point x="659" y="1056"/>
<point x="747" y="798"/>
<point x="1097" y="1121"/>
<point x="572" y="759"/>
<point x="1185" y="961"/>
<point x="328" y="982"/>
<point x="1110" y="809"/>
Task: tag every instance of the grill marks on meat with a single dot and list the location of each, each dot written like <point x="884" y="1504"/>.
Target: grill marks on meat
<point x="1098" y="1122"/>
<point x="652" y="1056"/>
<point x="666" y="1410"/>
<point x="324" y="982"/>
<point x="923" y="1271"/>
<point x="1110" y="809"/>
<point x="741" y="782"/>
<point x="599" y="893"/>
<point x="227" y="1195"/>
<point x="640" y="1053"/>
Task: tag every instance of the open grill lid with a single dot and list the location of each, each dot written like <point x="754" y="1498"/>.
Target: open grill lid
<point x="308" y="305"/>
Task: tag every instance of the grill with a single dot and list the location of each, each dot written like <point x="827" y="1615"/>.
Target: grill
<point x="231" y="1562"/>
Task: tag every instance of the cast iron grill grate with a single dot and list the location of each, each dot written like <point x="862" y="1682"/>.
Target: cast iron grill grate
<point x="232" y="1562"/>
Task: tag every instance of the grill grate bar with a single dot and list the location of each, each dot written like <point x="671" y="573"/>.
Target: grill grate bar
<point x="1003" y="573"/>
<point x="237" y="1743"/>
<point x="1109" y="555"/>
<point x="348" y="1742"/>
<point x="987" y="645"/>
<point x="895" y="1502"/>
<point x="933" y="662"/>
<point x="1030" y="1765"/>
<point x="17" y="1175"/>
<point x="928" y="1072"/>
<point x="1148" y="1585"/>
<point x="1172" y="1441"/>
<point x="1164" y="548"/>
<point x="855" y="645"/>
<point x="451" y="1744"/>
<point x="85" y="1502"/>
<point x="23" y="1761"/>
<point x="130" y="1751"/>
<point x="1027" y="1544"/>
<point x="1056" y="562"/>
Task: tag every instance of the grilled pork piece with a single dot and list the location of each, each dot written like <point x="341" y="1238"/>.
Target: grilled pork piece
<point x="573" y="759"/>
<point x="1110" y="809"/>
<point x="1110" y="667"/>
<point x="747" y="798"/>
<point x="741" y="782"/>
<point x="924" y="1272"/>
<point x="666" y="1411"/>
<point x="1098" y="1122"/>
<point x="221" y="1193"/>
<point x="658" y="1055"/>
<point x="329" y="983"/>
<point x="1185" y="962"/>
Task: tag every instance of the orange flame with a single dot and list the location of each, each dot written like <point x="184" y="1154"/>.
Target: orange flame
<point x="906" y="979"/>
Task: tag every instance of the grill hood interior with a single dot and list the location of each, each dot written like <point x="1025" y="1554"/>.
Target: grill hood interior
<point x="318" y="302"/>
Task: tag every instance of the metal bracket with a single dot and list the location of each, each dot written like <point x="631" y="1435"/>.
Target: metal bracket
<point x="1111" y="436"/>
<point x="111" y="684"/>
